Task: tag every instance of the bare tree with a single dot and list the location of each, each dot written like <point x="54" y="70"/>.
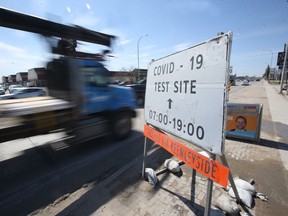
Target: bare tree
<point x="129" y="71"/>
<point x="267" y="72"/>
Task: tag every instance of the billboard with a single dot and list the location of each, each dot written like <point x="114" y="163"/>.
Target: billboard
<point x="244" y="121"/>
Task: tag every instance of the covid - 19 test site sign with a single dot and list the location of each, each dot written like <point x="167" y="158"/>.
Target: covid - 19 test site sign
<point x="186" y="93"/>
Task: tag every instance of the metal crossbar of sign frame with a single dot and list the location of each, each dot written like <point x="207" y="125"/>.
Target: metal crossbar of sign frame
<point x="186" y="93"/>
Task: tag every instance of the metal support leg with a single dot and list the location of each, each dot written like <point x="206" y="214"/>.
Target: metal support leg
<point x="144" y="158"/>
<point x="209" y="193"/>
<point x="231" y="180"/>
<point x="193" y="186"/>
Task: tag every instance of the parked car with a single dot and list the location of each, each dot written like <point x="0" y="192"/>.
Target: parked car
<point x="24" y="93"/>
<point x="2" y="91"/>
<point x="244" y="83"/>
<point x="114" y="82"/>
<point x="126" y="82"/>
<point x="140" y="90"/>
<point x="11" y="88"/>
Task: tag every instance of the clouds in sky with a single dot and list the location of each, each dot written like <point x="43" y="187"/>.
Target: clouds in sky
<point x="172" y="25"/>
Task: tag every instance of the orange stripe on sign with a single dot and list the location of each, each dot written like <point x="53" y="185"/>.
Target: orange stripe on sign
<point x="209" y="168"/>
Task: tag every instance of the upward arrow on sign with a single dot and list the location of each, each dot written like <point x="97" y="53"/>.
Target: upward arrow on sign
<point x="170" y="102"/>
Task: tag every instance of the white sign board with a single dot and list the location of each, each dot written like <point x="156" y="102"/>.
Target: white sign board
<point x="186" y="93"/>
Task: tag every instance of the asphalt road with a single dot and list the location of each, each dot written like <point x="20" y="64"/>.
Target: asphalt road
<point x="48" y="166"/>
<point x="237" y="88"/>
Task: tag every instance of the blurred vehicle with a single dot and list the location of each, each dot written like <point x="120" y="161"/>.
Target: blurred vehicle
<point x="140" y="90"/>
<point x="123" y="83"/>
<point x="2" y="91"/>
<point x="24" y="93"/>
<point x="29" y="84"/>
<point x="258" y="79"/>
<point x="114" y="82"/>
<point x="11" y="88"/>
<point x="244" y="83"/>
<point x="80" y="99"/>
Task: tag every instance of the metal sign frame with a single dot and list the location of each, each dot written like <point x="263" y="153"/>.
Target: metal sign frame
<point x="183" y="152"/>
<point x="186" y="93"/>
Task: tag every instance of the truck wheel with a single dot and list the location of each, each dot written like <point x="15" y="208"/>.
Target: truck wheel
<point x="121" y="125"/>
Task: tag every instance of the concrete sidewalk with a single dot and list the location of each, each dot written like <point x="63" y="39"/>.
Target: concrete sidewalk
<point x="278" y="104"/>
<point x="125" y="193"/>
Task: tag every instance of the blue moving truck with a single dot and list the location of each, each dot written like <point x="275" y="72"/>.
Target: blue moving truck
<point x="84" y="82"/>
<point x="80" y="99"/>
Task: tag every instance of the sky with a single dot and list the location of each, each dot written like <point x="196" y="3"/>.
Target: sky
<point x="260" y="30"/>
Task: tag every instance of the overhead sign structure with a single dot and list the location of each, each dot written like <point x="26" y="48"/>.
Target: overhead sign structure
<point x="186" y="93"/>
<point x="280" y="58"/>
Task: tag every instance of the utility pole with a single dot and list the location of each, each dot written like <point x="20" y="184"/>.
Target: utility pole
<point x="283" y="70"/>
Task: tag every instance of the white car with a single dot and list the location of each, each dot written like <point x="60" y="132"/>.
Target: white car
<point x="24" y="93"/>
<point x="244" y="83"/>
<point x="12" y="88"/>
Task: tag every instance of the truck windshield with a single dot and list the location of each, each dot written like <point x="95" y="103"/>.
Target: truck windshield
<point x="95" y="76"/>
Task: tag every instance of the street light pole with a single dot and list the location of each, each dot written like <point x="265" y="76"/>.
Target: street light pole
<point x="138" y="73"/>
<point x="271" y="58"/>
